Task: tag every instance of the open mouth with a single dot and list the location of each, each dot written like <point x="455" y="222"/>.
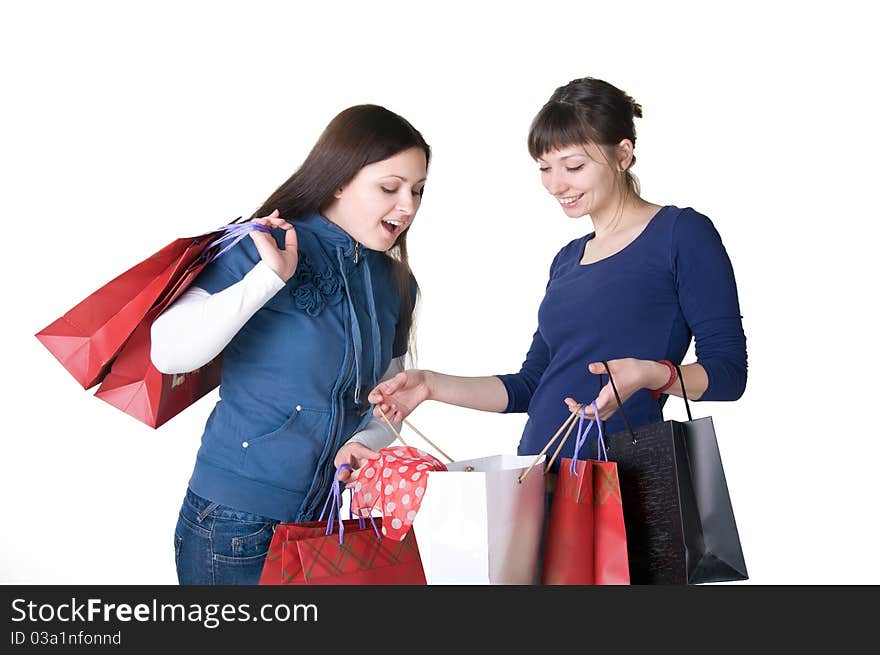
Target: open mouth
<point x="393" y="227"/>
<point x="568" y="201"/>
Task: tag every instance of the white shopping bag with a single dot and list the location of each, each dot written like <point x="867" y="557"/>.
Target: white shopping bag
<point x="482" y="526"/>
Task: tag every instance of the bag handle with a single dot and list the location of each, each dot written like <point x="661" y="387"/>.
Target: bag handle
<point x="567" y="423"/>
<point x="582" y="438"/>
<point x="334" y="500"/>
<point x="684" y="395"/>
<point x="236" y="232"/>
<point x="579" y="412"/>
<point x="619" y="403"/>
<point x="687" y="405"/>
<point x="413" y="428"/>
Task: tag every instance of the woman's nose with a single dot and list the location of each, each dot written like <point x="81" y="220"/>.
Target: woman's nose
<point x="406" y="204"/>
<point x="555" y="184"/>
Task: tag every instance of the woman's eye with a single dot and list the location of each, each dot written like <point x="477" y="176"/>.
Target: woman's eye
<point x="389" y="190"/>
<point x="419" y="193"/>
<point x="544" y="169"/>
<point x="574" y="168"/>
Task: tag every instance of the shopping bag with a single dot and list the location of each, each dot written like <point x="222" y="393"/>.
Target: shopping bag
<point x="478" y="524"/>
<point x="585" y="542"/>
<point x="134" y="385"/>
<point x="130" y="381"/>
<point x="312" y="553"/>
<point x="680" y="526"/>
<point x="87" y="338"/>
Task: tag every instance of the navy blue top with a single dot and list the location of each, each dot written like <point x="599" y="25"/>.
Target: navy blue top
<point x="672" y="282"/>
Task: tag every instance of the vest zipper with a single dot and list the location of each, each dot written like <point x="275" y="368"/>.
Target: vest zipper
<point x="319" y="489"/>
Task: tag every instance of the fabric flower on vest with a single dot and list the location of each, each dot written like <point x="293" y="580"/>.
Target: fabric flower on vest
<point x="330" y="286"/>
<point x="394" y="484"/>
<point x="307" y="298"/>
<point x="315" y="290"/>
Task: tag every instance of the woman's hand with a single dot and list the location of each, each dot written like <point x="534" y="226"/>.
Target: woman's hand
<point x="399" y="396"/>
<point x="356" y="455"/>
<point x="282" y="262"/>
<point x="630" y="375"/>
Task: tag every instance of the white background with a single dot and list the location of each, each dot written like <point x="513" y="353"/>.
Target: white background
<point x="125" y="126"/>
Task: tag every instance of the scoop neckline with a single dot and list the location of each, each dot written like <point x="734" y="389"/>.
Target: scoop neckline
<point x="591" y="235"/>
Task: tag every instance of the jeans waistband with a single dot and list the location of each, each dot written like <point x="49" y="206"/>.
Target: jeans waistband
<point x="204" y="507"/>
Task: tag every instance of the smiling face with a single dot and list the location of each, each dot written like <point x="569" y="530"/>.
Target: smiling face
<point x="380" y="202"/>
<point x="581" y="179"/>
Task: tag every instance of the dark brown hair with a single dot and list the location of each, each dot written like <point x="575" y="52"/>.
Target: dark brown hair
<point x="585" y="111"/>
<point x="356" y="137"/>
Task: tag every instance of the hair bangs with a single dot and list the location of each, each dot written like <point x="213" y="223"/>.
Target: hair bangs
<point x="556" y="126"/>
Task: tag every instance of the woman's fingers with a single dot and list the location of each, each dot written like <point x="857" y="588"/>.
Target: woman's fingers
<point x="387" y="388"/>
<point x="290" y="242"/>
<point x="394" y="384"/>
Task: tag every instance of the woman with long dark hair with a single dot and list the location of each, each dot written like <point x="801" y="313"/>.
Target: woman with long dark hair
<point x="308" y="319"/>
<point x="633" y="292"/>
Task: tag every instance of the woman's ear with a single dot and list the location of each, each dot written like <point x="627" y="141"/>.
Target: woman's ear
<point x="624" y="154"/>
<point x="337" y="194"/>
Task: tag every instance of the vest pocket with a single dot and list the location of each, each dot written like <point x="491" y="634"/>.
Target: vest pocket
<point x="286" y="457"/>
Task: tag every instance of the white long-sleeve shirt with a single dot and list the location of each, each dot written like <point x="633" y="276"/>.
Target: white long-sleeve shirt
<point x="199" y="325"/>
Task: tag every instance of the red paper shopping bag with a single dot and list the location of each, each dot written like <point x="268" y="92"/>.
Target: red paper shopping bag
<point x="586" y="536"/>
<point x="87" y="338"/>
<point x="289" y="533"/>
<point x="352" y="552"/>
<point x="302" y="554"/>
<point x="107" y="336"/>
<point x="138" y="388"/>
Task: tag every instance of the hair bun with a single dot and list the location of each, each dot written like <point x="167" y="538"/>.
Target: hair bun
<point x="636" y="107"/>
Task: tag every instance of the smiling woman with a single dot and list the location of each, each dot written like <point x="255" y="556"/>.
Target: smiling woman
<point x="308" y="317"/>
<point x="381" y="200"/>
<point x="633" y="292"/>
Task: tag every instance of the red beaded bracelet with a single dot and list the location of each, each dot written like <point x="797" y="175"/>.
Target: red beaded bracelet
<point x="656" y="393"/>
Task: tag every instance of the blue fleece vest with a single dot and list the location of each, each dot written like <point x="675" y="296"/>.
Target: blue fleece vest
<point x="296" y="376"/>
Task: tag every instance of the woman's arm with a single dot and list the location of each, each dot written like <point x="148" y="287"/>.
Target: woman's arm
<point x="709" y="302"/>
<point x="399" y="396"/>
<point x="630" y="375"/>
<point x="199" y="325"/>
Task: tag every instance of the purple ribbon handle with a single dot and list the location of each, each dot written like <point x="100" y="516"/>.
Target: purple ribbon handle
<point x="582" y="437"/>
<point x="361" y="523"/>
<point x="334" y="501"/>
<point x="234" y="233"/>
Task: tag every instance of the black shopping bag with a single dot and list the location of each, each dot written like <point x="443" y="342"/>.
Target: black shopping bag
<point x="680" y="527"/>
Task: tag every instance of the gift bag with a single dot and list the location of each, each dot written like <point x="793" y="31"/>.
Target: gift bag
<point x="131" y="382"/>
<point x="585" y="542"/>
<point x="478" y="524"/>
<point x="680" y="527"/>
<point x="312" y="553"/>
<point x="87" y="338"/>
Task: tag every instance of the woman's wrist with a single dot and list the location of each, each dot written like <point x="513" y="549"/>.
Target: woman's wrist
<point x="431" y="379"/>
<point x="656" y="374"/>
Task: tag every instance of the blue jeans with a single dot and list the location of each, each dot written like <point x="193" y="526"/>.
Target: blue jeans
<point x="219" y="545"/>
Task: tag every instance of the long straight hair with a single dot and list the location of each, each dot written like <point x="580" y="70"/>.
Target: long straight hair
<point x="356" y="137"/>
